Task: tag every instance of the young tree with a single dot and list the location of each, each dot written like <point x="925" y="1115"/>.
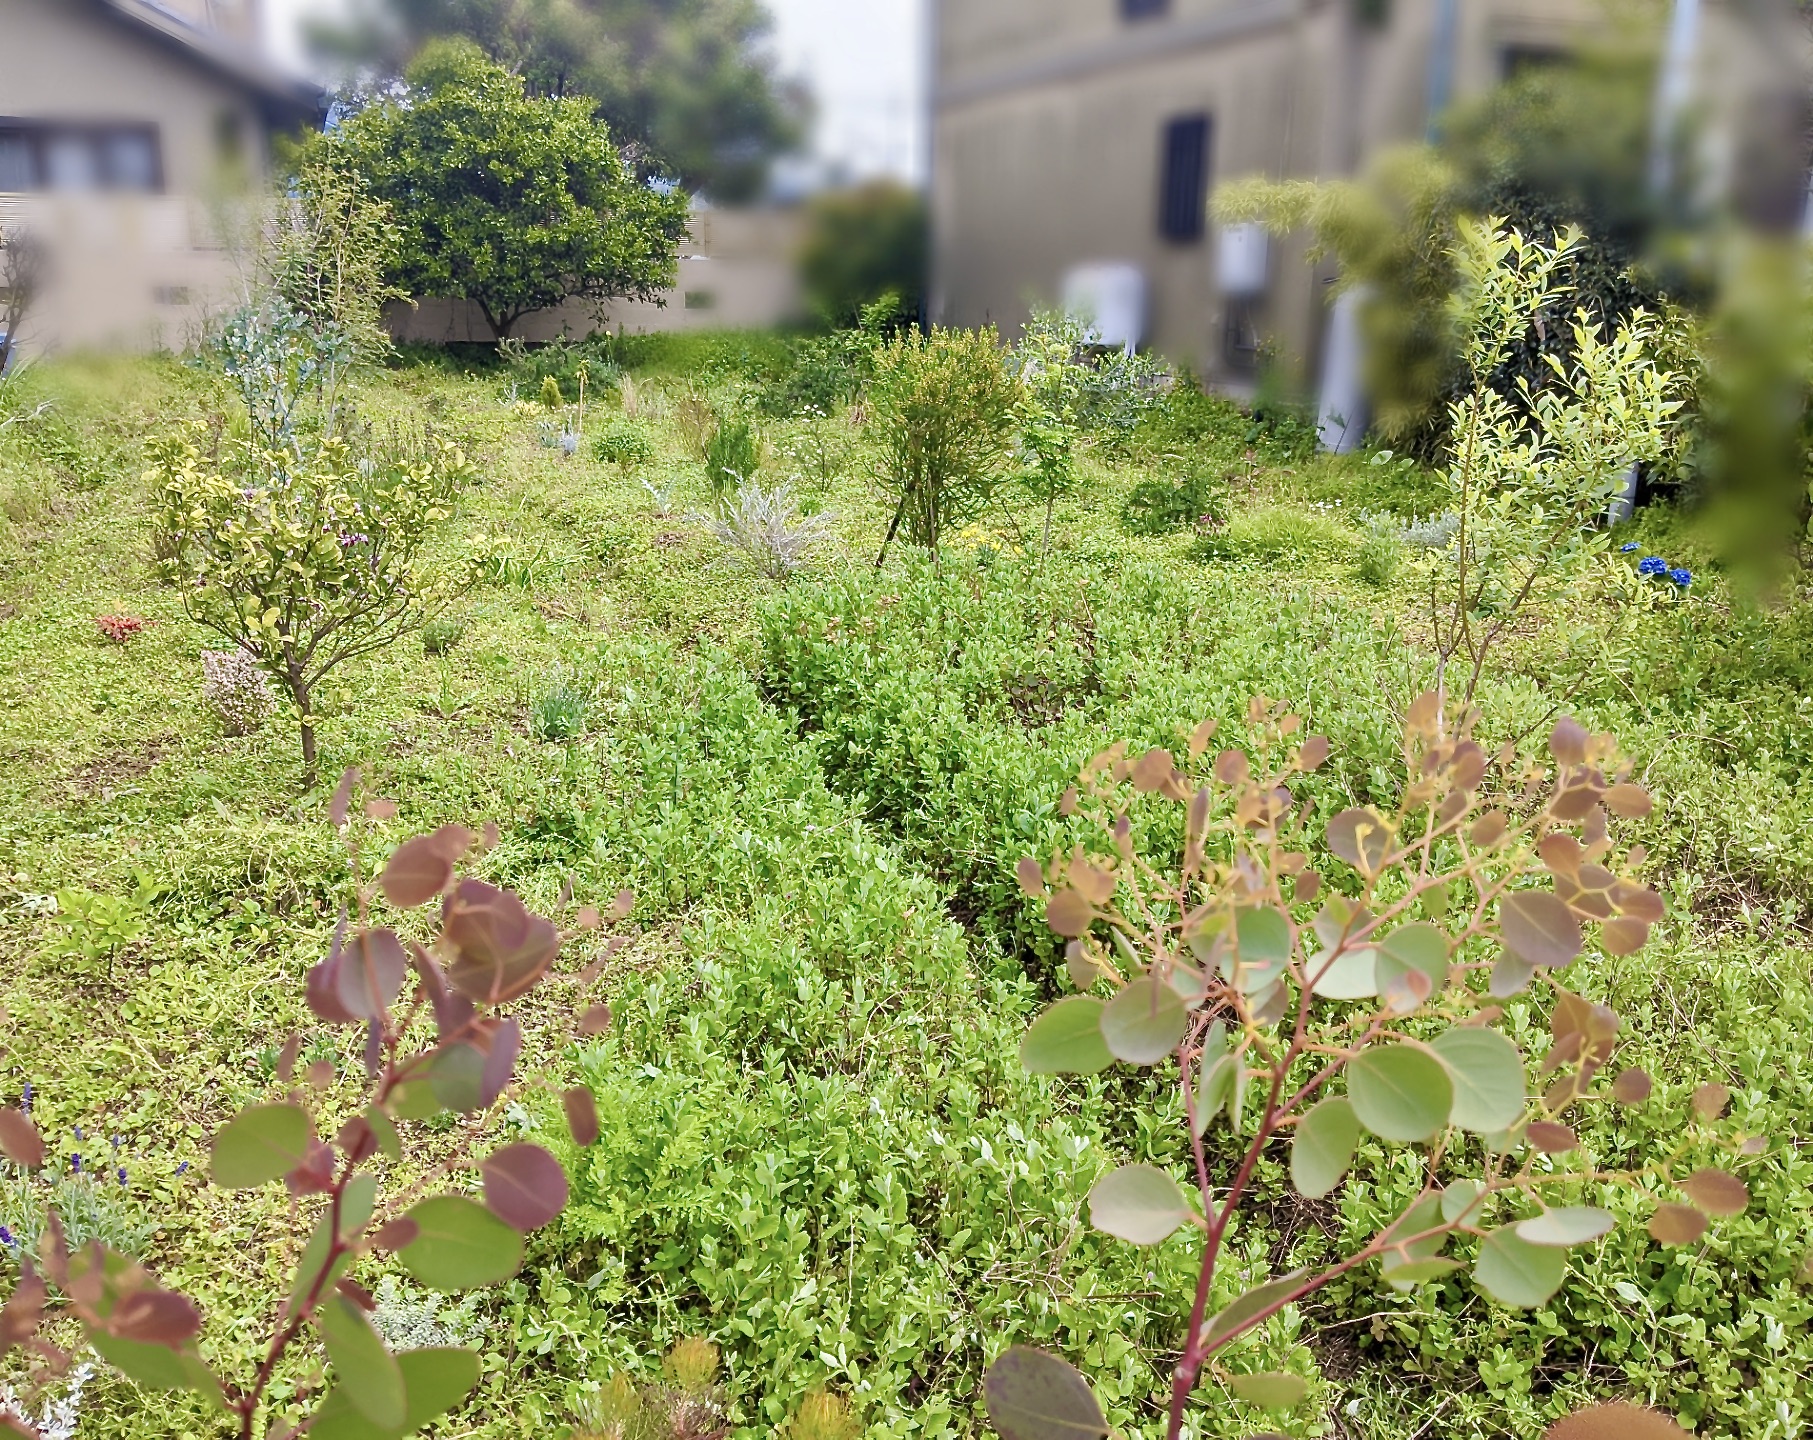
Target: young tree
<point x="509" y="200"/>
<point x="302" y="561"/>
<point x="864" y="243"/>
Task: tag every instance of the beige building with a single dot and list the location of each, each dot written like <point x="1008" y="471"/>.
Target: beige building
<point x="127" y="130"/>
<point x="1075" y="144"/>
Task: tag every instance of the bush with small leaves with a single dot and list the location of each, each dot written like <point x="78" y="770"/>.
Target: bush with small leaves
<point x="438" y="1041"/>
<point x="237" y="690"/>
<point x="623" y="441"/>
<point x="441" y="634"/>
<point x="1161" y="505"/>
<point x="733" y="456"/>
<point x="1314" y="990"/>
<point x="687" y="1405"/>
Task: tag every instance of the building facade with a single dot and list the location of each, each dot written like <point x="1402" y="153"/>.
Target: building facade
<point x="128" y="132"/>
<point x="1076" y="137"/>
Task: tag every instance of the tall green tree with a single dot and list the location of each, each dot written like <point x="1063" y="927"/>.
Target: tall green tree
<point x="687" y="81"/>
<point x="511" y="200"/>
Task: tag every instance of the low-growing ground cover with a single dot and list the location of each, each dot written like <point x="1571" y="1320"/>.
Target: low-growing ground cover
<point x="819" y="1149"/>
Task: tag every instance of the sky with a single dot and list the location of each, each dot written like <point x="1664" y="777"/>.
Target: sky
<point x="862" y="59"/>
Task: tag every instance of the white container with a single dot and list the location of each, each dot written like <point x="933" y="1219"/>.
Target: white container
<point x="1109" y="297"/>
<point x="1242" y="260"/>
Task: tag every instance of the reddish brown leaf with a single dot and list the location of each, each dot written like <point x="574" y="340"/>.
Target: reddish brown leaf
<point x="1638" y="902"/>
<point x="500" y="950"/>
<point x="19" y="1139"/>
<point x="1031" y="878"/>
<point x="1567" y="742"/>
<point x="1425" y="714"/>
<point x="1710" y="1100"/>
<point x="1361" y="837"/>
<point x="1632" y="1087"/>
<point x="1152" y="772"/>
<point x="490" y="835"/>
<point x="524" y="1186"/>
<point x="1538" y="927"/>
<point x="53" y="1250"/>
<point x="581" y="1107"/>
<point x="1551" y="1138"/>
<point x="1467" y="768"/>
<point x="370" y="973"/>
<point x="452" y="1013"/>
<point x="320" y="1074"/>
<point x="1561" y="853"/>
<point x="1632" y="802"/>
<point x="340" y="807"/>
<point x="24" y="1309"/>
<point x="379" y="809"/>
<point x="1200" y="737"/>
<point x="1754" y="1146"/>
<point x="356" y="1139"/>
<point x="1314" y="753"/>
<point x="500" y="1062"/>
<point x="1308" y="886"/>
<point x="422" y="868"/>
<point x="1232" y="767"/>
<point x="1488" y="830"/>
<point x="357" y="1293"/>
<point x="395" y="1234"/>
<point x="155" y="1317"/>
<point x="1676" y="1225"/>
<point x="1069" y="914"/>
<point x="621" y="907"/>
<point x="1093" y="883"/>
<point x="1716" y="1193"/>
<point x="595" y="1021"/>
<point x="315" y="1175"/>
<point x="1623" y="936"/>
<point x="286" y="1058"/>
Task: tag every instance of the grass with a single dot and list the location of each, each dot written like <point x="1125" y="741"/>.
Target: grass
<point x="825" y="896"/>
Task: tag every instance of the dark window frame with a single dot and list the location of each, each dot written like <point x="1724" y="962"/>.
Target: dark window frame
<point x="1144" y="9"/>
<point x="1186" y="148"/>
<point x="40" y="135"/>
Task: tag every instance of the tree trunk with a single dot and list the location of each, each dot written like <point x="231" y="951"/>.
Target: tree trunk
<point x="299" y="694"/>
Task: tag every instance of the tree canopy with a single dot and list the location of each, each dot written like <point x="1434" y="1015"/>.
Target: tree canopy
<point x="685" y="80"/>
<point x="511" y="200"/>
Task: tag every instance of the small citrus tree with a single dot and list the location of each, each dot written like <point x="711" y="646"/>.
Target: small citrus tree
<point x="303" y="561"/>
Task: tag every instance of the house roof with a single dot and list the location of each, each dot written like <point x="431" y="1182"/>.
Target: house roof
<point x="286" y="96"/>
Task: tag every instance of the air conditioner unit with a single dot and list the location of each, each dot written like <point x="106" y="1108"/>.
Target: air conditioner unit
<point x="1242" y="256"/>
<point x="1109" y="297"/>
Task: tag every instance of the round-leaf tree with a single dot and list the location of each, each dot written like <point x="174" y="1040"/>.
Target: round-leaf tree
<point x="512" y="201"/>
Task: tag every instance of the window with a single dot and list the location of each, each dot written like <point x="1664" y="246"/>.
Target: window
<point x="1144" y="9"/>
<point x="1518" y="59"/>
<point x="36" y="156"/>
<point x="1183" y="193"/>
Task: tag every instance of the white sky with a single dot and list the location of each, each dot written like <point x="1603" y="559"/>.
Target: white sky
<point x="863" y="60"/>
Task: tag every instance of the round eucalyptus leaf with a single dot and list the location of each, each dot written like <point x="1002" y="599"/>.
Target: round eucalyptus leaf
<point x="1276" y="1390"/>
<point x="1139" y="1203"/>
<point x="1351" y="975"/>
<point x="1416" y="946"/>
<point x="260" y="1145"/>
<point x="460" y="1245"/>
<point x="1145" y="1021"/>
<point x="1538" y="927"/>
<point x="1400" y="1092"/>
<point x="1323" y="1146"/>
<point x="1516" y="1273"/>
<point x="1035" y="1396"/>
<point x="1263" y="940"/>
<point x="1256" y="1301"/>
<point x="365" y="1370"/>
<point x="434" y="1381"/>
<point x="1460" y="1198"/>
<point x="1409" y="1274"/>
<point x="1067" y="1039"/>
<point x="1566" y="1225"/>
<point x="1488" y="1075"/>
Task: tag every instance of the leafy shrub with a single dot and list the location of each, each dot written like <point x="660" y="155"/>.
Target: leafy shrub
<point x="1381" y="548"/>
<point x="945" y="410"/>
<point x="441" y="633"/>
<point x="551" y="398"/>
<point x="766" y="528"/>
<point x="1433" y="532"/>
<point x="561" y="709"/>
<point x="302" y="560"/>
<point x="1273" y="534"/>
<point x="863" y="243"/>
<point x="237" y="690"/>
<point x="624" y="442"/>
<point x="733" y="457"/>
<point x="1160" y="505"/>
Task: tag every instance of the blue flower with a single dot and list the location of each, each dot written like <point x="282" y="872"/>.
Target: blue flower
<point x="1683" y="578"/>
<point x="183" y="1169"/>
<point x="75" y="1164"/>
<point x="121" y="1172"/>
<point x="25" y="1104"/>
<point x="1653" y="565"/>
<point x="78" y="1132"/>
<point x="1628" y="547"/>
<point x="7" y="1237"/>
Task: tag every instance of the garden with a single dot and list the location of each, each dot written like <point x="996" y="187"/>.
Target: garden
<point x="881" y="883"/>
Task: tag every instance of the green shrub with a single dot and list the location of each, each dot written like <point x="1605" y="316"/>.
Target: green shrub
<point x="623" y="441"/>
<point x="946" y="413"/>
<point x="1381" y="549"/>
<point x="733" y="457"/>
<point x="561" y="709"/>
<point x="1161" y="505"/>
<point x="1273" y="534"/>
<point x="441" y="634"/>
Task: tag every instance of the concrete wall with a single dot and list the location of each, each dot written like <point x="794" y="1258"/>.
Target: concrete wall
<point x="1047" y="142"/>
<point x="738" y="271"/>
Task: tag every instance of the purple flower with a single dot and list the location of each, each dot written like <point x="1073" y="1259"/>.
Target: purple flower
<point x="183" y="1169"/>
<point x="25" y="1103"/>
<point x="78" y="1132"/>
<point x="75" y="1164"/>
<point x="7" y="1238"/>
<point x="121" y="1172"/>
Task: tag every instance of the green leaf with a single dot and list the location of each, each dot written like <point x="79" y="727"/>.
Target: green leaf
<point x="1323" y="1146"/>
<point x="1214" y="1077"/>
<point x="1400" y="1092"/>
<point x="1144" y="1022"/>
<point x="1408" y="1274"/>
<point x="1566" y="1225"/>
<point x="457" y="1077"/>
<point x="1139" y="1203"/>
<point x="434" y="1381"/>
<point x="157" y="1367"/>
<point x="1263" y="939"/>
<point x="314" y="1259"/>
<point x="1067" y="1040"/>
<point x="1351" y="975"/>
<point x="364" y="1369"/>
<point x="1035" y="1396"/>
<point x="389" y="1146"/>
<point x="461" y="1245"/>
<point x="1516" y="1273"/>
<point x="260" y="1145"/>
<point x="1488" y="1075"/>
<point x="414" y="1100"/>
<point x="1272" y="1391"/>
<point x="1416" y="946"/>
<point x="357" y="1202"/>
<point x="1460" y="1199"/>
<point x="1256" y="1300"/>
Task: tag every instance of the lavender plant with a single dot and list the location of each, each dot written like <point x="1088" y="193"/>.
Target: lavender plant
<point x="237" y="691"/>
